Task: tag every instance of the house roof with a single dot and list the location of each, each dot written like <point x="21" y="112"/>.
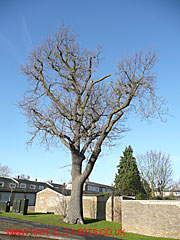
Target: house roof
<point x="64" y="192"/>
<point x="18" y="181"/>
<point x="49" y="189"/>
<point x="172" y="190"/>
<point x="98" y="184"/>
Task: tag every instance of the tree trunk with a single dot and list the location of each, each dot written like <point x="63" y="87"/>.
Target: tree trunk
<point x="75" y="208"/>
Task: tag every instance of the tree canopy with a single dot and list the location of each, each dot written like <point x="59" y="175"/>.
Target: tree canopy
<point x="65" y="102"/>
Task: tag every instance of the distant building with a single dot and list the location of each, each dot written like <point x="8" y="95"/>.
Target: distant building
<point x="170" y="192"/>
<point x="16" y="188"/>
<point x="92" y="187"/>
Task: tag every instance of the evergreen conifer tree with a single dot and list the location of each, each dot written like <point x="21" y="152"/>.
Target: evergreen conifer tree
<point x="127" y="180"/>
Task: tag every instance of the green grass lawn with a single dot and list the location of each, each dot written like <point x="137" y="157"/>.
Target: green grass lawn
<point x="56" y="220"/>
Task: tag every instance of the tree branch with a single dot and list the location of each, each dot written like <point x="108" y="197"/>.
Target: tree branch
<point x="56" y="132"/>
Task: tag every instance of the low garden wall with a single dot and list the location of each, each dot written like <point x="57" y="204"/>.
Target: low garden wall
<point x="49" y="200"/>
<point x="158" y="218"/>
<point x="113" y="209"/>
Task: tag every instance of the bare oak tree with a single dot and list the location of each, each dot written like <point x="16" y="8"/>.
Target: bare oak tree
<point x="66" y="102"/>
<point x="156" y="168"/>
<point x="5" y="171"/>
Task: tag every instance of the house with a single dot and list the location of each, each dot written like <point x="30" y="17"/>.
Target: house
<point x="169" y="192"/>
<point x="16" y="188"/>
<point x="172" y="192"/>
<point x="94" y="188"/>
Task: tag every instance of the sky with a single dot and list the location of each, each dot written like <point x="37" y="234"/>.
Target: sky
<point x="122" y="27"/>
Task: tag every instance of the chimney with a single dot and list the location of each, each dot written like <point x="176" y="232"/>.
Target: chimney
<point x="18" y="176"/>
<point x="35" y="179"/>
<point x="51" y="181"/>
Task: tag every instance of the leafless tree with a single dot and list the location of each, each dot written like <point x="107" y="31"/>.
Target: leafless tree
<point x="67" y="102"/>
<point x="156" y="168"/>
<point x="5" y="171"/>
<point x="176" y="184"/>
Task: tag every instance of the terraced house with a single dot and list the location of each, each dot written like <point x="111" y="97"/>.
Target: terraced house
<point x="17" y="188"/>
<point x="94" y="188"/>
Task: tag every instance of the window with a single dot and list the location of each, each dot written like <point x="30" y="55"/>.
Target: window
<point x="1" y="184"/>
<point x="103" y="190"/>
<point x="93" y="188"/>
<point x="41" y="187"/>
<point x="22" y="185"/>
<point x="108" y="190"/>
<point x="12" y="185"/>
<point x="32" y="186"/>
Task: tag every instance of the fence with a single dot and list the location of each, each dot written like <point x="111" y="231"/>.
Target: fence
<point x="20" y="206"/>
<point x="5" y="206"/>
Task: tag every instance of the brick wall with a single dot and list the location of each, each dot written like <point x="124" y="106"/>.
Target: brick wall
<point x="153" y="218"/>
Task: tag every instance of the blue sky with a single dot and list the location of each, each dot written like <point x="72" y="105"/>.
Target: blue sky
<point x="122" y="27"/>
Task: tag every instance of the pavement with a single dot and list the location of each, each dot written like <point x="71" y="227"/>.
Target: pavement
<point x="40" y="231"/>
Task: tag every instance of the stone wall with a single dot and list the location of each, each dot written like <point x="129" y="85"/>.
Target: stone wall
<point x="113" y="209"/>
<point x="90" y="206"/>
<point x="49" y="200"/>
<point x="153" y="218"/>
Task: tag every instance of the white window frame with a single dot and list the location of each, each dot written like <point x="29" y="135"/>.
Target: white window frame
<point x="12" y="185"/>
<point x="32" y="186"/>
<point x="22" y="185"/>
<point x="1" y="184"/>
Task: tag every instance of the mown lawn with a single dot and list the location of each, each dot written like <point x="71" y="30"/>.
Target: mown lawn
<point x="56" y="220"/>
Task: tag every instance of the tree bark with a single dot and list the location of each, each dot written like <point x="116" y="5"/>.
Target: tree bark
<point x="75" y="208"/>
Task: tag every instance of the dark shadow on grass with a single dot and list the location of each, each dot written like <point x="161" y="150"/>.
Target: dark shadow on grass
<point x="35" y="213"/>
<point x="86" y="220"/>
<point x="89" y="221"/>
